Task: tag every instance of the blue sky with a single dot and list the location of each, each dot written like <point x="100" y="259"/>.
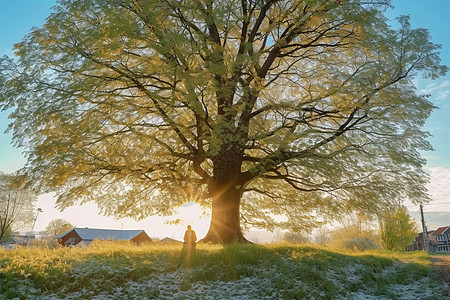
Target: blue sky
<point x="17" y="17"/>
<point x="433" y="14"/>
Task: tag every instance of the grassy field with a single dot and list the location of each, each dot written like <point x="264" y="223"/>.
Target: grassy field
<point x="107" y="270"/>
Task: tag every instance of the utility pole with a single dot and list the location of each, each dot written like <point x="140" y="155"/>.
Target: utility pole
<point x="424" y="230"/>
<point x="37" y="213"/>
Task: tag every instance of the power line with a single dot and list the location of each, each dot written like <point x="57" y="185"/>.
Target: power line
<point x="440" y="219"/>
<point x="440" y="203"/>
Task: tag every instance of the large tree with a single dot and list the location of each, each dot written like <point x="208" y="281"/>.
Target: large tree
<point x="16" y="204"/>
<point x="258" y="108"/>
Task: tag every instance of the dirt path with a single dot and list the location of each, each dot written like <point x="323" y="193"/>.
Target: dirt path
<point x="441" y="266"/>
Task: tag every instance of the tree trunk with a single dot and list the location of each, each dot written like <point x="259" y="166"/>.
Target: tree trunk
<point x="226" y="191"/>
<point x="225" y="224"/>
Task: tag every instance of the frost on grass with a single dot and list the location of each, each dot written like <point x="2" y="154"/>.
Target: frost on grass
<point x="239" y="273"/>
<point x="385" y="284"/>
<point x="177" y="286"/>
<point x="349" y="282"/>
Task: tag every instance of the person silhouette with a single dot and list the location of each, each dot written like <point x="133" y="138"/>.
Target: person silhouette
<point x="189" y="245"/>
<point x="190" y="238"/>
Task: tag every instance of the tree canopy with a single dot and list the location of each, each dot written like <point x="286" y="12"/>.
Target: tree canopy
<point x="256" y="107"/>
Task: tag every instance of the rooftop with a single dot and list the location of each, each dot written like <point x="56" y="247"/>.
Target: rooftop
<point x="106" y="234"/>
<point x="440" y="230"/>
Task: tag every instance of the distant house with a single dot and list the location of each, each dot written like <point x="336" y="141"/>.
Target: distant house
<point x="438" y="241"/>
<point x="24" y="238"/>
<point x="168" y="240"/>
<point x="85" y="236"/>
<point x="442" y="235"/>
<point x="417" y="243"/>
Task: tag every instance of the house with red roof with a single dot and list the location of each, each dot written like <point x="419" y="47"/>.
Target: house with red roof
<point x="84" y="236"/>
<point x="442" y="235"/>
<point x="418" y="244"/>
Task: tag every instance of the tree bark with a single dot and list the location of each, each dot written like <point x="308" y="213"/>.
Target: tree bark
<point x="226" y="190"/>
<point x="225" y="224"/>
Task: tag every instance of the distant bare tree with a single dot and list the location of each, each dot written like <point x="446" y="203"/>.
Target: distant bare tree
<point x="16" y="204"/>
<point x="322" y="236"/>
<point x="57" y="227"/>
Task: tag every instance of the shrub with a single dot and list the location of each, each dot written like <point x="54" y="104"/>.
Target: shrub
<point x="360" y="244"/>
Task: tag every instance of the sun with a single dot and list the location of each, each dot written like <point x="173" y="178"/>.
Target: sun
<point x="193" y="214"/>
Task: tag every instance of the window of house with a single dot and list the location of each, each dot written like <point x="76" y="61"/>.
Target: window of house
<point x="70" y="241"/>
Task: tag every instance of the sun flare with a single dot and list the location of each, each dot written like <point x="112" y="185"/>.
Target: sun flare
<point x="193" y="214"/>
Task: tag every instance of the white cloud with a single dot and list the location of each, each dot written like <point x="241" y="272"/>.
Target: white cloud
<point x="439" y="91"/>
<point x="442" y="95"/>
<point x="439" y="189"/>
<point x="430" y="88"/>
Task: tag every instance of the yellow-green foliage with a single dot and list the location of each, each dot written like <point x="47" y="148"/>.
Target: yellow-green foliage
<point x="307" y="108"/>
<point x="397" y="229"/>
